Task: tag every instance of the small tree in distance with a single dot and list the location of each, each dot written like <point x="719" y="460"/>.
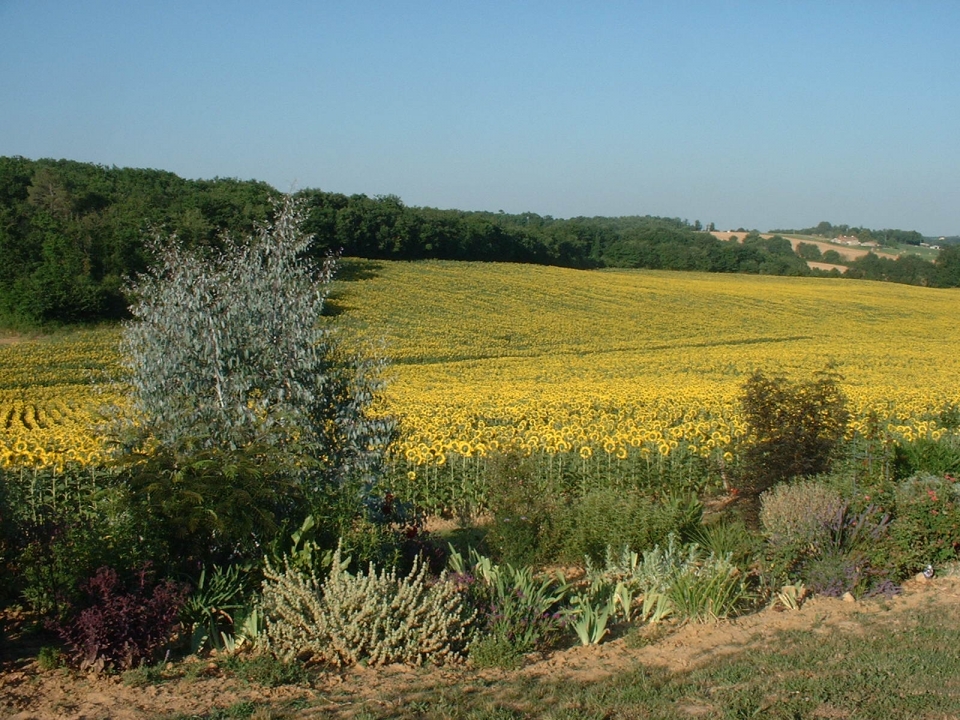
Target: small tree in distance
<point x="243" y="404"/>
<point x="809" y="251"/>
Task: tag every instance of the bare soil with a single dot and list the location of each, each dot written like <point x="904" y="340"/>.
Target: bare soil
<point x="826" y="266"/>
<point x="201" y="687"/>
<point x="847" y="252"/>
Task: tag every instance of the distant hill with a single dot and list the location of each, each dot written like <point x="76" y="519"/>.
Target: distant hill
<point x="72" y="234"/>
<point x="887" y="237"/>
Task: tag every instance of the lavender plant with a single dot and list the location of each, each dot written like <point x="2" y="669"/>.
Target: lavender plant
<point x="519" y="613"/>
<point x="849" y="557"/>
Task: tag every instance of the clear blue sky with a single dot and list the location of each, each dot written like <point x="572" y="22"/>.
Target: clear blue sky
<point x="755" y="114"/>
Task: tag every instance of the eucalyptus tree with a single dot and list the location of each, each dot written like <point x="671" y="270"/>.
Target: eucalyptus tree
<point x="245" y="404"/>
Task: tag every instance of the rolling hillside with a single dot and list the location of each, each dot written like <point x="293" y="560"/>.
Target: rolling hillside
<point x="612" y="362"/>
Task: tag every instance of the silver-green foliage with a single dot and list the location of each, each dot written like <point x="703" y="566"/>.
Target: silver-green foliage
<point x="673" y="579"/>
<point x="372" y="617"/>
<point x="522" y="610"/>
<point x="591" y="610"/>
<point x="653" y="571"/>
<point x="227" y="351"/>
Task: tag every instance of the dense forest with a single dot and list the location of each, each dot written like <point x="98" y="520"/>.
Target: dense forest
<point x="72" y="235"/>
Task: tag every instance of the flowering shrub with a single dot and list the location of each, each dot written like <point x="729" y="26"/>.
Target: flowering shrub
<point x="927" y="525"/>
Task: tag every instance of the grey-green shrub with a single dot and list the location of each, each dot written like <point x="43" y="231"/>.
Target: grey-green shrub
<point x="799" y="513"/>
<point x="372" y="617"/>
<point x="230" y="350"/>
<point x="242" y="398"/>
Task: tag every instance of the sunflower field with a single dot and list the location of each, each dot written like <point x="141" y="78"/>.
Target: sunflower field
<point x="615" y="372"/>
<point x="54" y="393"/>
<point x="594" y="372"/>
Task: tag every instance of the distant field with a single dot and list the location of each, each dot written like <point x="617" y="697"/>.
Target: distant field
<point x="597" y="363"/>
<point x="848" y="252"/>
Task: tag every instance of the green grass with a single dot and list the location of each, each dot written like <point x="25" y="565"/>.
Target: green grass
<point x="891" y="667"/>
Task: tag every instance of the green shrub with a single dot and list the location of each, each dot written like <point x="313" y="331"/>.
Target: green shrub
<point x="499" y="651"/>
<point x="679" y="515"/>
<point x="799" y="514"/>
<point x="926" y="528"/>
<point x="49" y="658"/>
<point x="624" y="520"/>
<point x="925" y="455"/>
<point x="601" y="519"/>
<point x="372" y="617"/>
<point x="526" y="515"/>
<point x="794" y="429"/>
<point x="60" y="526"/>
<point x="534" y="523"/>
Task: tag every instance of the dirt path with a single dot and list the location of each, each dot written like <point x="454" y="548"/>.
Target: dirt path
<point x="26" y="693"/>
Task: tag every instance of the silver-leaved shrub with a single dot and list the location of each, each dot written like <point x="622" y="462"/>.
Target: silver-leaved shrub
<point x="243" y="401"/>
<point x="373" y="617"/>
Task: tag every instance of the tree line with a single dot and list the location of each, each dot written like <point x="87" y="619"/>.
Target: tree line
<point x="889" y="236"/>
<point x="73" y="234"/>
